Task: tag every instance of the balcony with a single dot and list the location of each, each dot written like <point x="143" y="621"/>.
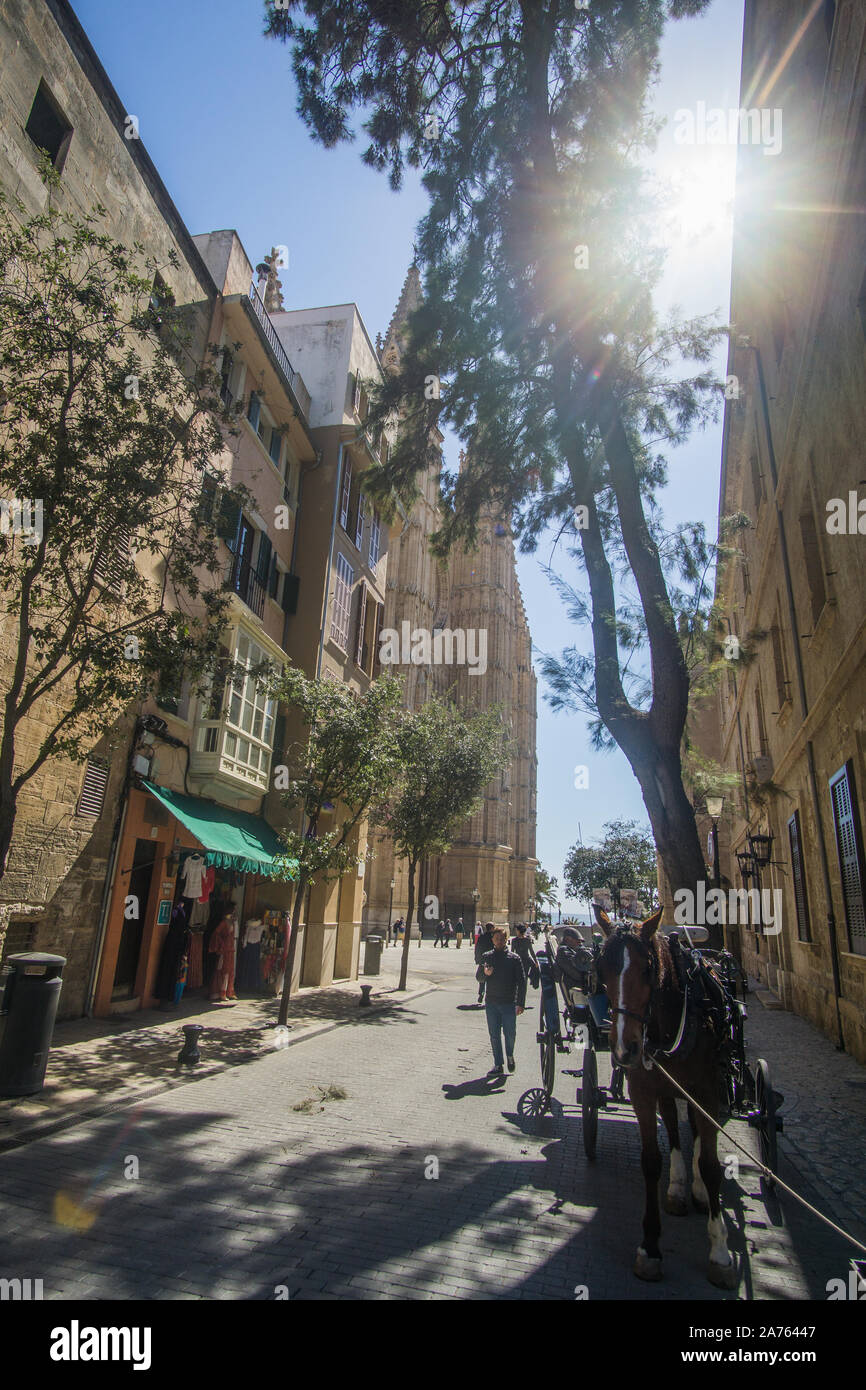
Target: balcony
<point x="244" y="582"/>
<point x="294" y="379"/>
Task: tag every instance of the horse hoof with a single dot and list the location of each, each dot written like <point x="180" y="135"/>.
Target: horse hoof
<point x="645" y="1267"/>
<point x="723" y="1276"/>
<point x="676" y="1206"/>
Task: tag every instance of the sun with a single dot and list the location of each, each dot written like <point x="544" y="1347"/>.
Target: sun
<point x="699" y="197"/>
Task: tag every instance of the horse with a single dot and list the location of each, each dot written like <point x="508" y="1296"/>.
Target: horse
<point x="650" y="1014"/>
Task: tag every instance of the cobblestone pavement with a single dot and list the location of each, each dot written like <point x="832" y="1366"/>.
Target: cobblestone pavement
<point x="252" y="1181"/>
<point x="98" y="1064"/>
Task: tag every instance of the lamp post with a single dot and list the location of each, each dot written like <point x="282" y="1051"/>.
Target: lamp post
<point x="390" y="907"/>
<point x="714" y="811"/>
<point x="475" y="896"/>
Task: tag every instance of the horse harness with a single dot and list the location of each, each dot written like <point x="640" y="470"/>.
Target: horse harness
<point x="704" y="998"/>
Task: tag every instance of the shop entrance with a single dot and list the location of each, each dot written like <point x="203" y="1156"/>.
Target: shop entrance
<point x="140" y="881"/>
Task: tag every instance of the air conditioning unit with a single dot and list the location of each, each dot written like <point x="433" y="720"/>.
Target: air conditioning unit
<point x="763" y="769"/>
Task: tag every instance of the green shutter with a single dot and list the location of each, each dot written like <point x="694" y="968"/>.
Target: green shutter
<point x="229" y="519"/>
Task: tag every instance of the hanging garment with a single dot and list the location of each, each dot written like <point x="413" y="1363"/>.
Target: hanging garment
<point x="200" y="914"/>
<point x="191" y="875"/>
<point x="195" y="974"/>
<point x="208" y="879"/>
<point x="250" y="959"/>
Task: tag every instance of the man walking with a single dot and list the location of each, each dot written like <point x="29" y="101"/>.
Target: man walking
<point x="483" y="942"/>
<point x="521" y="945"/>
<point x="440" y="935"/>
<point x="506" y="996"/>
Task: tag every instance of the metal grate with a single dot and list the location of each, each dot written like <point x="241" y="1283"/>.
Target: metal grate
<point x="92" y="796"/>
<point x="850" y="857"/>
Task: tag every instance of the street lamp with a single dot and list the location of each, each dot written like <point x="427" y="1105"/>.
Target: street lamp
<point x="475" y="896"/>
<point x="762" y="849"/>
<point x="390" y="907"/>
<point x="714" y="811"/>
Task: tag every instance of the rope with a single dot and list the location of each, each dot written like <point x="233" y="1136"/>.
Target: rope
<point x="768" y="1173"/>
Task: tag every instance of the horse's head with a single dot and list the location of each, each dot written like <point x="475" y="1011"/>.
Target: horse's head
<point x="628" y="967"/>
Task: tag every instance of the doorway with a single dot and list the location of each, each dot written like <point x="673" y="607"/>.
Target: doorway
<point x="129" y="951"/>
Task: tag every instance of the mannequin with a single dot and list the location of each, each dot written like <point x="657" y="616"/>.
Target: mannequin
<point x="249" y="965"/>
<point x="222" y="954"/>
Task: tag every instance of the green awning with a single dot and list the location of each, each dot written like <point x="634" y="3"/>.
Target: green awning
<point x="233" y="839"/>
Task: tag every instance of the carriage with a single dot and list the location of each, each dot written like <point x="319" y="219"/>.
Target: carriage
<point x="571" y="1018"/>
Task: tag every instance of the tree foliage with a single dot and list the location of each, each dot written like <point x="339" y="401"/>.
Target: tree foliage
<point x="105" y="435"/>
<point x="537" y="340"/>
<point x="624" y="858"/>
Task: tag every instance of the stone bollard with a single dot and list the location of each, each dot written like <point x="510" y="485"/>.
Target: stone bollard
<point x="189" y="1055"/>
<point x="364" y="1001"/>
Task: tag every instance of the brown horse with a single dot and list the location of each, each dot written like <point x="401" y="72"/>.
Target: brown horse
<point x="650" y="1015"/>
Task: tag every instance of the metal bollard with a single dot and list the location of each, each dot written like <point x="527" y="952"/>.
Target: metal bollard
<point x="189" y="1055"/>
<point x="364" y="1001"/>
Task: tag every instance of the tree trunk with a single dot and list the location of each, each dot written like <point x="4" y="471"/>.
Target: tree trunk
<point x="7" y="826"/>
<point x="407" y="934"/>
<point x="300" y="894"/>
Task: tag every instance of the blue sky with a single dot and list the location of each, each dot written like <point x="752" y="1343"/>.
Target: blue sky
<point x="216" y="111"/>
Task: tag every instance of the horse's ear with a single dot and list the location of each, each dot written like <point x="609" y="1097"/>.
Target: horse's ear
<point x="602" y="919"/>
<point x="648" y="928"/>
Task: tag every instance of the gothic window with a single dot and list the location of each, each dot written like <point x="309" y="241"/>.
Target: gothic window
<point x="48" y="128"/>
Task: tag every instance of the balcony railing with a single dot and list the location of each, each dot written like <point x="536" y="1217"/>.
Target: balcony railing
<point x="294" y="378"/>
<point x="244" y="582"/>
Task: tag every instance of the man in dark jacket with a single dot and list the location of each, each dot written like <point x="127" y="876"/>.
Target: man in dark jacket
<point x="573" y="960"/>
<point x="483" y="942"/>
<point x="521" y="945"/>
<point x="506" y="996"/>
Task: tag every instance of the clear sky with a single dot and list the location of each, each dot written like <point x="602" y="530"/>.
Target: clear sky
<point x="216" y="111"/>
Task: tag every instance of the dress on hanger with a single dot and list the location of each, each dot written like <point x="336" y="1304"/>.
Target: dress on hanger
<point x="191" y="874"/>
<point x="208" y="879"/>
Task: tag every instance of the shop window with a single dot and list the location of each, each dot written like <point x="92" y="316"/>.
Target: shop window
<point x="91" y="798"/>
<point x="48" y="128"/>
<point x="795" y="841"/>
<point x="849" y="846"/>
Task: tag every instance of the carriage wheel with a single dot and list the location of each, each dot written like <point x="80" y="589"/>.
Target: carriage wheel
<point x="589" y="1100"/>
<point x="547" y="1048"/>
<point x="765" y="1100"/>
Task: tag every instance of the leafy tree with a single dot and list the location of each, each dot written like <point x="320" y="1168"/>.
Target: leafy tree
<point x="347" y="760"/>
<point x="546" y="890"/>
<point x="537" y="340"/>
<point x="110" y="581"/>
<point x="625" y="858"/>
<point x="448" y="756"/>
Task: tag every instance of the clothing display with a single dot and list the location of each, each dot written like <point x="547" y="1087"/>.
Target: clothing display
<point x="200" y="915"/>
<point x="274" y="950"/>
<point x="222" y="953"/>
<point x="195" y="974"/>
<point x="207" y="882"/>
<point x="249" y="976"/>
<point x="191" y="875"/>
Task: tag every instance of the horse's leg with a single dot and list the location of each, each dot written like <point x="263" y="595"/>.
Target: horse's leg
<point x="721" y="1269"/>
<point x="699" y="1191"/>
<point x="648" y="1261"/>
<point x="676" y="1200"/>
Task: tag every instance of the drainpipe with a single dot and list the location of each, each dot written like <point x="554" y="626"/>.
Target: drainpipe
<point x="801" y="687"/>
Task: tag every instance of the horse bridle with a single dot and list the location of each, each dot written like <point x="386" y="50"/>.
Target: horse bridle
<point x="647" y="1053"/>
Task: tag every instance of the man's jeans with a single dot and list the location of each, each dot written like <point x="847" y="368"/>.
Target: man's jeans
<point x="504" y="1017"/>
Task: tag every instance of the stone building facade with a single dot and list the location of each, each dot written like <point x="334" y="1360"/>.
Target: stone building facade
<point x="489" y="872"/>
<point x="790" y="720"/>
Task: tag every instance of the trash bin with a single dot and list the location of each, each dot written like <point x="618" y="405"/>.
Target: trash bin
<point x="27" y="1013"/>
<point x="372" y="955"/>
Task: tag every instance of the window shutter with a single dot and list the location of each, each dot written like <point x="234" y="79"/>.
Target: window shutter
<point x="254" y="410"/>
<point x="356" y="392"/>
<point x="263" y="566"/>
<point x="362" y="618"/>
<point x="92" y="796"/>
<point x="229" y="520"/>
<point x="207" y="501"/>
<point x="291" y="584"/>
<point x="377" y="628"/>
<point x="849" y="846"/>
<point x="347" y="492"/>
<point x="275" y="447"/>
<point x="799" y="877"/>
<point x="273" y="577"/>
<point x="359" y="521"/>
